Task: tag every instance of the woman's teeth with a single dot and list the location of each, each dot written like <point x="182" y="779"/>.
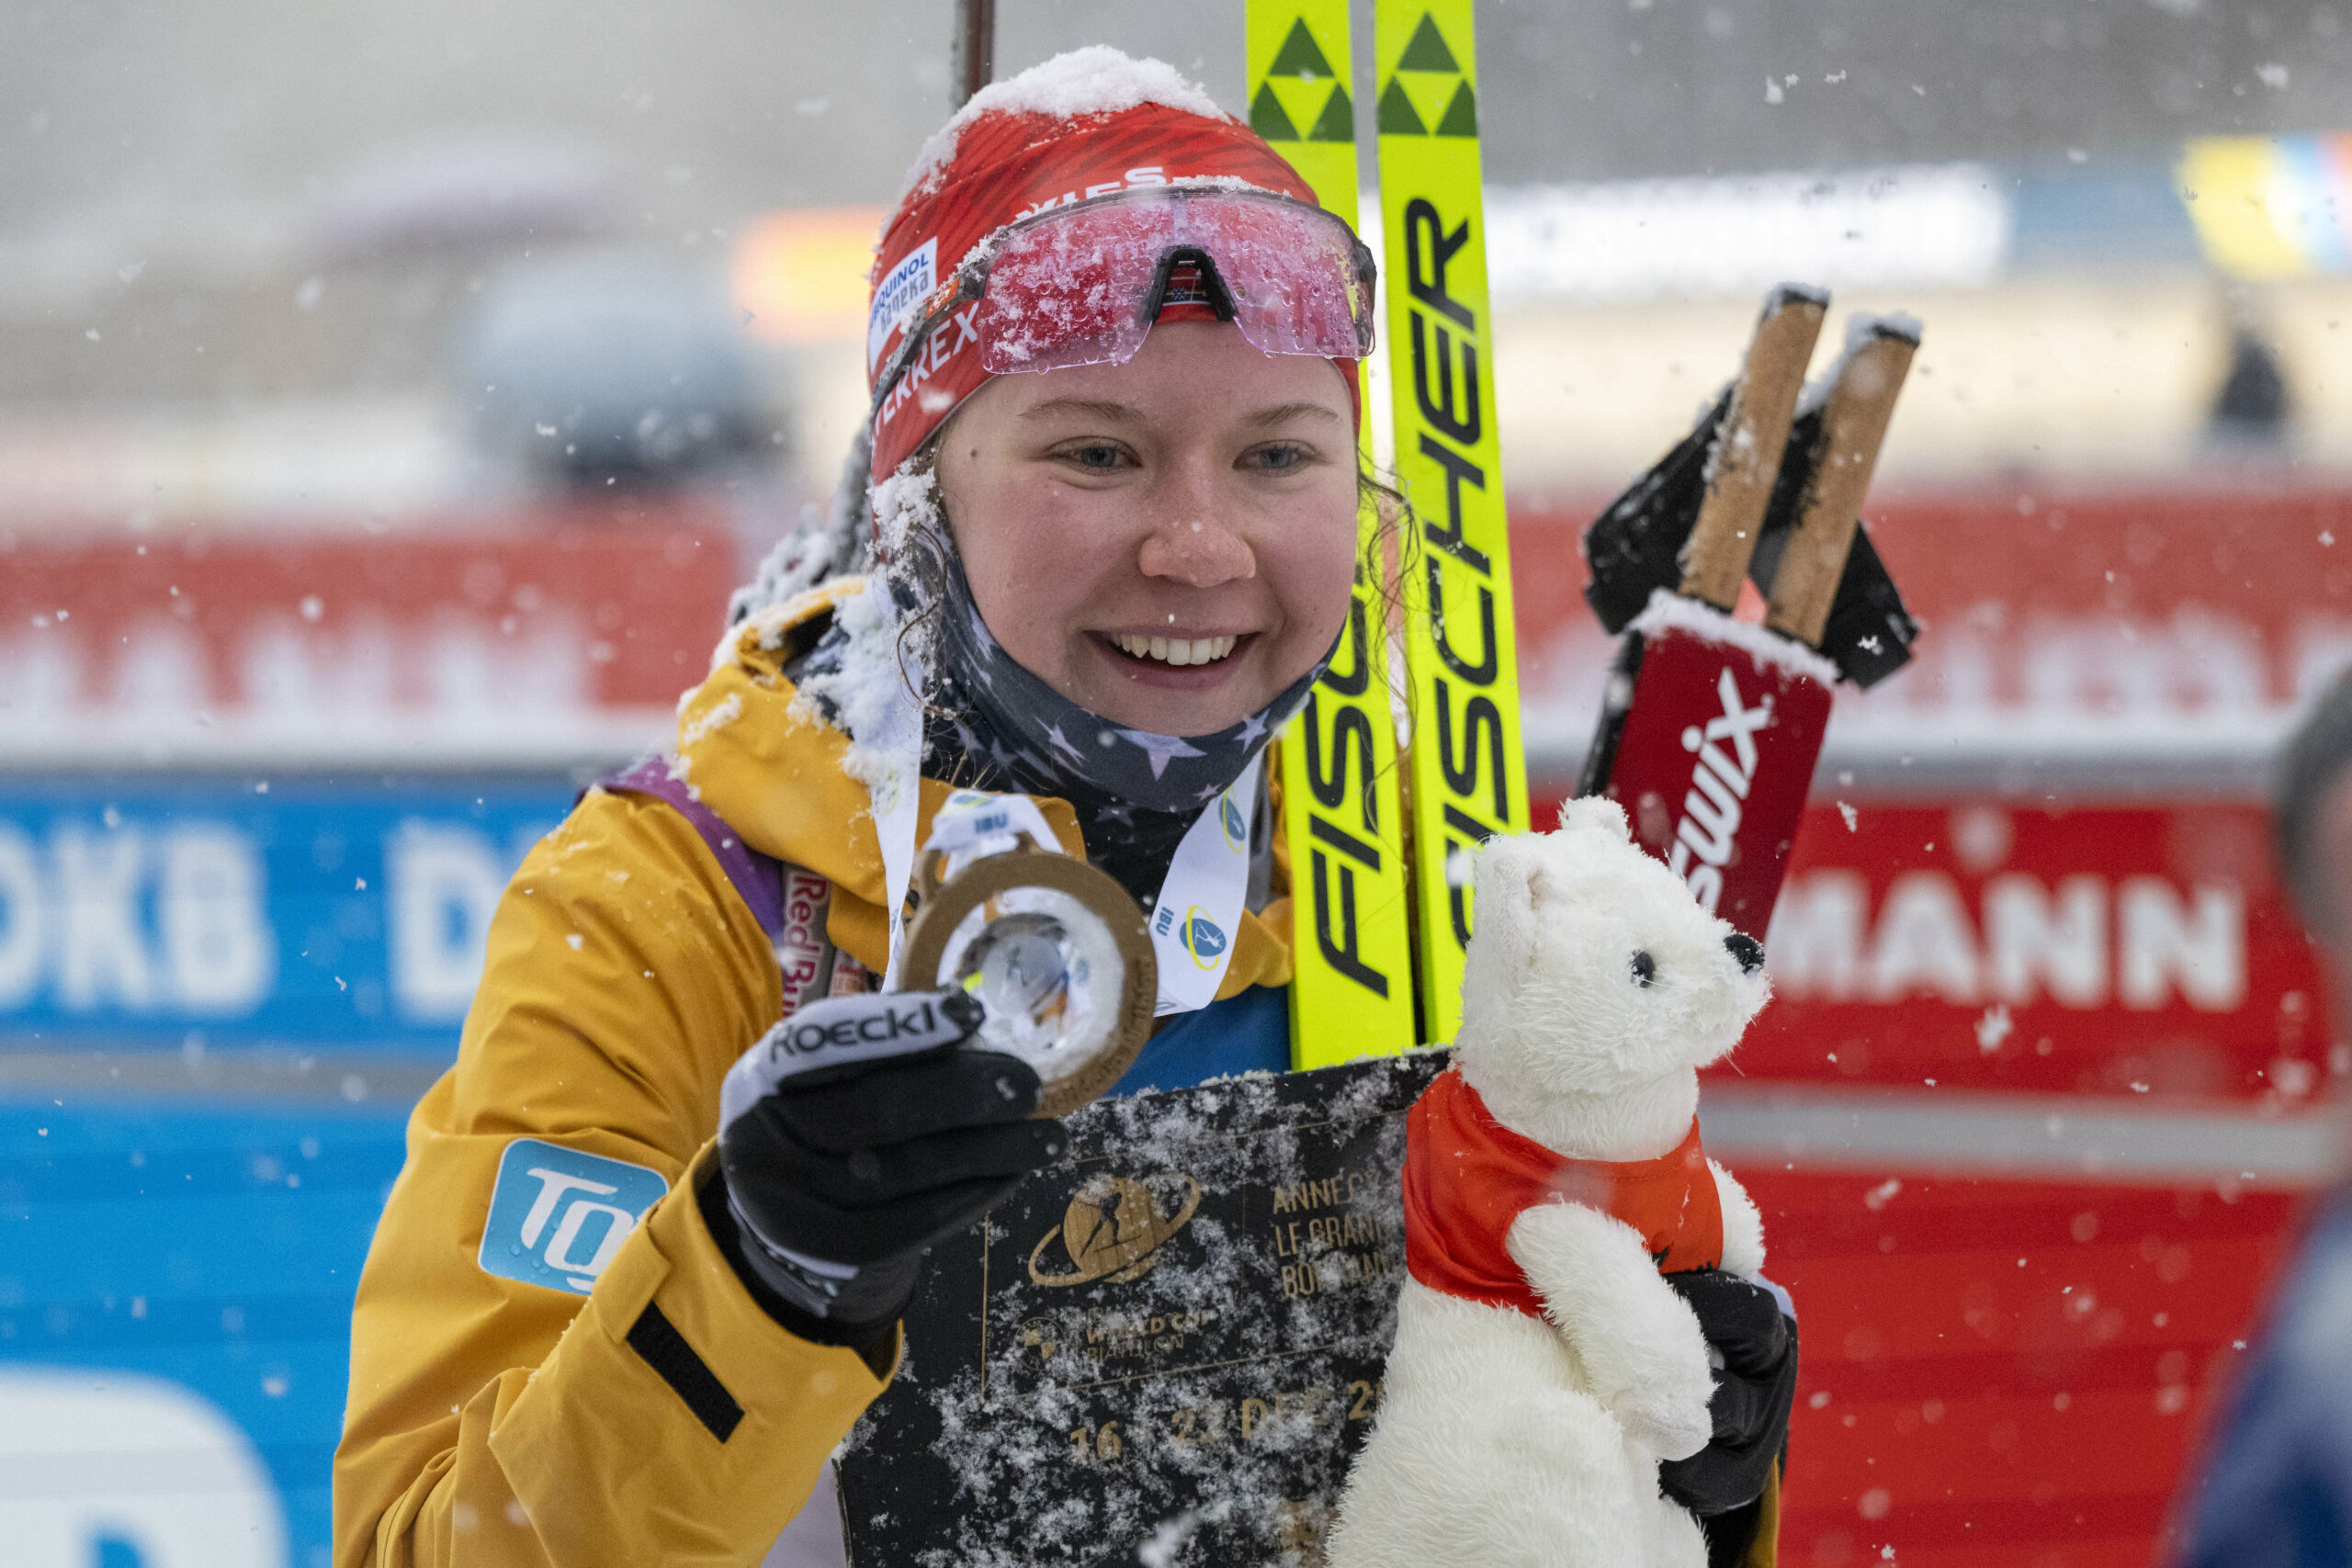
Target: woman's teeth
<point x="1176" y="651"/>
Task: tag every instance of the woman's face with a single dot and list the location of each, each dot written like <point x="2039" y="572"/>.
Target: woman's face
<point x="1168" y="543"/>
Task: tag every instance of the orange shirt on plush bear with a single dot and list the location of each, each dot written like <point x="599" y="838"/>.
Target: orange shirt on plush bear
<point x="1468" y="1177"/>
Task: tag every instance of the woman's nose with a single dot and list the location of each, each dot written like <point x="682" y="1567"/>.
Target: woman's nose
<point x="1190" y="544"/>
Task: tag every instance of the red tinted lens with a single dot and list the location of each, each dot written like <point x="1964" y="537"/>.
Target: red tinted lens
<point x="1072" y="288"/>
<point x="1293" y="273"/>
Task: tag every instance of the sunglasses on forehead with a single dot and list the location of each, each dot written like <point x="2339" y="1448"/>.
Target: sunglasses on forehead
<point x="1082" y="284"/>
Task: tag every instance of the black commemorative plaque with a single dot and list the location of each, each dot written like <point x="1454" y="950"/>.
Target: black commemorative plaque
<point x="1164" y="1350"/>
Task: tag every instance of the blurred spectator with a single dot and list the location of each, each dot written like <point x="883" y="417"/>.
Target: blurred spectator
<point x="2276" y="1490"/>
<point x="2252" y="410"/>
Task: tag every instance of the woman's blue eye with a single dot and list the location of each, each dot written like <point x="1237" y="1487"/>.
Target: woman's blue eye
<point x="1103" y="456"/>
<point x="1280" y="458"/>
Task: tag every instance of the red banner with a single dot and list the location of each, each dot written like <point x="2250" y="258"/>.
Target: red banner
<point x="2054" y="621"/>
<point x="2004" y="1374"/>
<point x="287" y="644"/>
<point x="2142" y="950"/>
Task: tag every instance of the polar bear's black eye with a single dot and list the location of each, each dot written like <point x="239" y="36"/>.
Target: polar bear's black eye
<point x="1644" y="967"/>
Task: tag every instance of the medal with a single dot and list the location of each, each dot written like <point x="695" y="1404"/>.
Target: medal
<point x="1057" y="952"/>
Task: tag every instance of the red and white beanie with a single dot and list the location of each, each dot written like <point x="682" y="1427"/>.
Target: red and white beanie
<point x="1083" y="124"/>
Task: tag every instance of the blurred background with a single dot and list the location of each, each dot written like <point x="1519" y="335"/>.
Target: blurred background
<point x="390" y="396"/>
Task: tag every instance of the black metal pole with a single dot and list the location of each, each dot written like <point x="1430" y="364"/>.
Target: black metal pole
<point x="972" y="62"/>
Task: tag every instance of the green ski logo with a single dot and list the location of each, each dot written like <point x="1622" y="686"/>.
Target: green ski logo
<point x="1301" y="84"/>
<point x="1437" y="80"/>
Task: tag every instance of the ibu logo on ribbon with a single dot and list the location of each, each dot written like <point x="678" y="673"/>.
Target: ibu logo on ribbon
<point x="559" y="1216"/>
<point x="1236" y="826"/>
<point x="1203" y="938"/>
<point x="1200" y="904"/>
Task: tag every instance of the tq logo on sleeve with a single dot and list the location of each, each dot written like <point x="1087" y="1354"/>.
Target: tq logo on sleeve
<point x="557" y="1216"/>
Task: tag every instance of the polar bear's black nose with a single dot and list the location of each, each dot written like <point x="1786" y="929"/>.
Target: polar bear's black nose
<point x="1748" y="950"/>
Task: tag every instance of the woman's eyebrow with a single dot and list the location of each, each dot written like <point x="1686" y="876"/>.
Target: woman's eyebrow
<point x="1094" y="408"/>
<point x="1283" y="413"/>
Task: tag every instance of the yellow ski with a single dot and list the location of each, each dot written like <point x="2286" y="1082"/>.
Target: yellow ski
<point x="1466" y="765"/>
<point x="1351" y="988"/>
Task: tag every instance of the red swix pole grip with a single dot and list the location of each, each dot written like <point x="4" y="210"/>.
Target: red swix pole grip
<point x="1715" y="755"/>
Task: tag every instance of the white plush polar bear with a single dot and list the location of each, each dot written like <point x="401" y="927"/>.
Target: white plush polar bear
<point x="1542" y="1367"/>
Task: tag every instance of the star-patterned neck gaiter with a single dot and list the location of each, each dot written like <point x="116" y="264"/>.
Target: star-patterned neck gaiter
<point x="990" y="723"/>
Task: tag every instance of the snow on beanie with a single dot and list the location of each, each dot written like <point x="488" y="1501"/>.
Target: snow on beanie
<point x="1083" y="124"/>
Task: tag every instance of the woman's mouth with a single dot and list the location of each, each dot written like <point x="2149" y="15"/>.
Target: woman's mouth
<point x="1177" y="652"/>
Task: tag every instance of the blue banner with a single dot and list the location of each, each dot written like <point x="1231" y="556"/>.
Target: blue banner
<point x="176" y="1289"/>
<point x="195" y="914"/>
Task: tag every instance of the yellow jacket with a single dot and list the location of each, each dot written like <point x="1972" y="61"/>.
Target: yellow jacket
<point x="502" y="1422"/>
<point x="496" y="1420"/>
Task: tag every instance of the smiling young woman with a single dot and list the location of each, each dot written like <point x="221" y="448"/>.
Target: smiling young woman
<point x="1107" y="534"/>
<point x="635" y="1284"/>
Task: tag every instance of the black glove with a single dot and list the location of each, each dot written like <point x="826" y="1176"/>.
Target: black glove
<point x="1754" y="1387"/>
<point x="854" y="1136"/>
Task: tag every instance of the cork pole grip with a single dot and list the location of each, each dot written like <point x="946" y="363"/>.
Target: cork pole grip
<point x="1853" y="426"/>
<point x="1746" y="456"/>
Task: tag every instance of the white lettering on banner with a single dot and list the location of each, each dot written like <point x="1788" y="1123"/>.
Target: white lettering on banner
<point x="444" y="885"/>
<point x="103" y="959"/>
<point x="291" y="670"/>
<point x="1818" y="936"/>
<point x="2147" y="935"/>
<point x="276" y="678"/>
<point x="162" y="671"/>
<point x="41" y="676"/>
<point x="76" y="919"/>
<point x="477" y="670"/>
<point x="219" y="947"/>
<point x="1923" y="941"/>
<point x="21" y="919"/>
<point x="2166" y="945"/>
<point x="2068" y="681"/>
<point x="2029" y="944"/>
<point x="136" y="1471"/>
<point x="2197" y="661"/>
